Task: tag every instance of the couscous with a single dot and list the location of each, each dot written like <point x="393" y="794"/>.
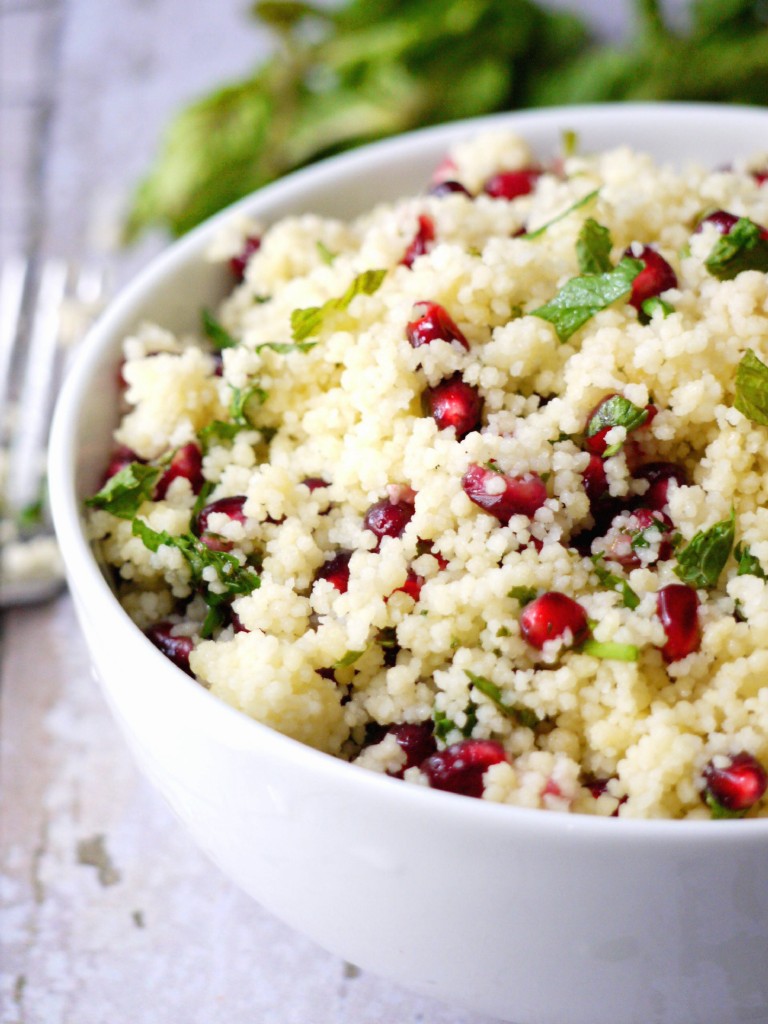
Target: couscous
<point x="474" y="489"/>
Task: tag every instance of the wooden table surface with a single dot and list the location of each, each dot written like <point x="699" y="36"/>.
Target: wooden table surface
<point x="109" y="914"/>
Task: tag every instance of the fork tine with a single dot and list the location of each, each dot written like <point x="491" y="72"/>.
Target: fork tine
<point x="26" y="457"/>
<point x="12" y="282"/>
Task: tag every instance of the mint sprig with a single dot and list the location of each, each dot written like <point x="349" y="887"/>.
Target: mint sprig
<point x="702" y="561"/>
<point x="582" y="297"/>
<point x="751" y="397"/>
<point x="743" y="248"/>
<point x="593" y="248"/>
<point x="125" y="492"/>
<point x="310" y="321"/>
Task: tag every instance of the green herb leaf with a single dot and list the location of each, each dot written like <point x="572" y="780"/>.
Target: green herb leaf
<point x="610" y="651"/>
<point x="125" y="492"/>
<point x="31" y="516"/>
<point x="310" y="321"/>
<point x="216" y="334"/>
<point x="743" y="248"/>
<point x="650" y="306"/>
<point x="214" y="619"/>
<point x="244" y="402"/>
<point x="752" y="389"/>
<point x="616" y="411"/>
<point x="581" y="297"/>
<point x="326" y="255"/>
<point x="593" y="248"/>
<point x="286" y="347"/>
<point x="444" y="725"/>
<point x="523" y="595"/>
<point x="523" y="716"/>
<point x="234" y="577"/>
<point x="560" y="216"/>
<point x="613" y="582"/>
<point x="748" y="564"/>
<point x="702" y="561"/>
<point x="719" y="812"/>
<point x="349" y="659"/>
<point x="217" y="431"/>
<point x="569" y="142"/>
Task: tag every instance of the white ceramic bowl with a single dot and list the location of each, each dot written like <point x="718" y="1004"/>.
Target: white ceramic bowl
<point x="535" y="917"/>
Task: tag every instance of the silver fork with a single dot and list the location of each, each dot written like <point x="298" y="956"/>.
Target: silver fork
<point x="43" y="312"/>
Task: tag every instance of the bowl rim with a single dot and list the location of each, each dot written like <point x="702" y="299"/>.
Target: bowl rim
<point x="90" y="586"/>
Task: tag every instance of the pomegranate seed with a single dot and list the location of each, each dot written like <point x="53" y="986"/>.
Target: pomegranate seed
<point x="238" y="263"/>
<point x="595" y="479"/>
<point x="388" y="518"/>
<point x="521" y="495"/>
<point x="432" y="323"/>
<point x="454" y="403"/>
<point x="725" y="223"/>
<point x="627" y="535"/>
<point x="738" y="785"/>
<point x="422" y="241"/>
<point x="760" y="176"/>
<point x="336" y="571"/>
<point x="412" y="586"/>
<point x="120" y="458"/>
<point x="658" y="475"/>
<point x="598" y="786"/>
<point x="237" y="622"/>
<point x="417" y="743"/>
<point x="230" y="507"/>
<point x="447" y="187"/>
<point x="655" y="277"/>
<point x="177" y="648"/>
<point x="315" y="483"/>
<point x="460" y="767"/>
<point x="186" y="462"/>
<point x="550" y="617"/>
<point x="511" y="184"/>
<point x="678" y="609"/>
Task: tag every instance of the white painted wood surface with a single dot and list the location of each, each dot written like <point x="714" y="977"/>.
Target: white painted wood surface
<point x="109" y="915"/>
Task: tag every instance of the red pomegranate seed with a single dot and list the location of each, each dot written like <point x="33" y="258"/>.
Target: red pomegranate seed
<point x="595" y="479"/>
<point x="238" y="263"/>
<point x="447" y="187"/>
<point x="623" y="540"/>
<point x="550" y="617"/>
<point x="460" y="767"/>
<point x="760" y="176"/>
<point x="521" y="495"/>
<point x="120" y="458"/>
<point x="511" y="184"/>
<point x="388" y="518"/>
<point x="336" y="571"/>
<point x="658" y="475"/>
<point x="232" y="508"/>
<point x="186" y="462"/>
<point x="422" y="241"/>
<point x="454" y="403"/>
<point x="725" y="222"/>
<point x="655" y="277"/>
<point x="738" y="785"/>
<point x="432" y="323"/>
<point x="412" y="586"/>
<point x="678" y="609"/>
<point x="417" y="743"/>
<point x="177" y="648"/>
<point x="315" y="483"/>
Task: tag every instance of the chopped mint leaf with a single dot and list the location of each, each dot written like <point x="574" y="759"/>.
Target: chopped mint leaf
<point x="613" y="582"/>
<point x="326" y="254"/>
<point x="752" y="389"/>
<point x="216" y="334"/>
<point x="581" y="297"/>
<point x="217" y="431"/>
<point x="349" y="659"/>
<point x="610" y="651"/>
<point x="569" y="142"/>
<point x="125" y="492"/>
<point x="444" y="725"/>
<point x="234" y="577"/>
<point x="310" y="321"/>
<point x="743" y="248"/>
<point x="286" y="347"/>
<point x="748" y="564"/>
<point x="244" y="401"/>
<point x="593" y="248"/>
<point x="654" y="304"/>
<point x="523" y="595"/>
<point x="31" y="515"/>
<point x="202" y="499"/>
<point x="616" y="411"/>
<point x="702" y="561"/>
<point x="523" y="716"/>
<point x="719" y="811"/>
<point x="214" y="619"/>
<point x="561" y="216"/>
